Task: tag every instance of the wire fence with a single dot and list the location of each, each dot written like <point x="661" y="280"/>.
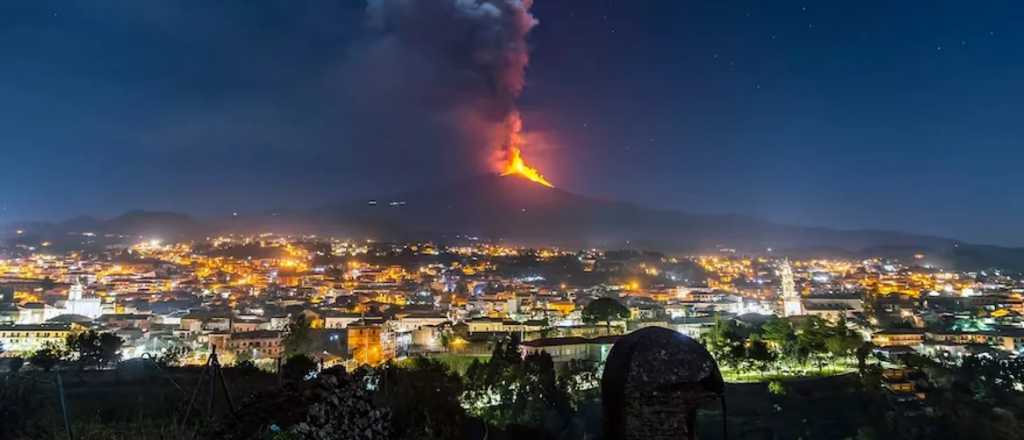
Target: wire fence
<point x="138" y="400"/>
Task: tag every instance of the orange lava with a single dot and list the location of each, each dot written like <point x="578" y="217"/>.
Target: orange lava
<point x="517" y="166"/>
<point x="513" y="162"/>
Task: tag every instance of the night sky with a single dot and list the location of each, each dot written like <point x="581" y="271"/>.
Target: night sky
<point x="870" y="114"/>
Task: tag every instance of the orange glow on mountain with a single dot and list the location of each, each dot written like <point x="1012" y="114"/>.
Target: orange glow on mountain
<point x="517" y="166"/>
<point x="513" y="163"/>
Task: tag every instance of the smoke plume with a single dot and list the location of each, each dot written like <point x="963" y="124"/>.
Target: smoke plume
<point x="460" y="63"/>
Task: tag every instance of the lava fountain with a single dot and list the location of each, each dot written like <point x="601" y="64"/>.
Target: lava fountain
<point x="514" y="164"/>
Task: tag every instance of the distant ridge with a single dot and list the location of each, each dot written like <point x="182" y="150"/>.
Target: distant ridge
<point x="517" y="211"/>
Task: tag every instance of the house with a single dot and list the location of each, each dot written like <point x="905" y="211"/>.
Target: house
<point x="497" y="325"/>
<point x="412" y="321"/>
<point x="369" y="343"/>
<point x="573" y="348"/>
<point x="245" y="325"/>
<point x="898" y="337"/>
<point x="829" y="311"/>
<point x="26" y="338"/>
<point x="1008" y="339"/>
<point x="899" y="382"/>
<point x="832" y="306"/>
<point x="334" y="319"/>
<point x="126" y="320"/>
<point x="258" y="344"/>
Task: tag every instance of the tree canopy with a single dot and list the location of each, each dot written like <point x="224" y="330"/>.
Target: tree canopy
<point x="47" y="357"/>
<point x="779" y="344"/>
<point x="299" y="337"/>
<point x="605" y="310"/>
<point x="94" y="349"/>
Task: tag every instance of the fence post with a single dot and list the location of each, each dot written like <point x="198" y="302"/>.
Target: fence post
<point x="63" y="406"/>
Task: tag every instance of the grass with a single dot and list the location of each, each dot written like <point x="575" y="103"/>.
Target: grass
<point x="458" y="362"/>
<point x="789" y="371"/>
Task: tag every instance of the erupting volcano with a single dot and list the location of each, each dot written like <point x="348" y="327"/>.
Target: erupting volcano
<point x="517" y="166"/>
<point x="513" y="163"/>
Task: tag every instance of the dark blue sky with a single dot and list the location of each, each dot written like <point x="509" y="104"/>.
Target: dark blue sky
<point x="880" y="114"/>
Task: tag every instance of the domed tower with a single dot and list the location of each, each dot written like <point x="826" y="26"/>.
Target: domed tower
<point x="76" y="291"/>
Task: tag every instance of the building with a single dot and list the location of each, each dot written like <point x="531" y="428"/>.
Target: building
<point x="77" y="304"/>
<point x="339" y="319"/>
<point x="791" y="303"/>
<point x="833" y="306"/>
<point x="27" y="338"/>
<point x="497" y="325"/>
<point x="257" y="344"/>
<point x="1007" y="339"/>
<point x="126" y="320"/>
<point x="36" y="313"/>
<point x="413" y="321"/>
<point x="899" y="382"/>
<point x="245" y="325"/>
<point x="898" y="337"/>
<point x="369" y="343"/>
<point x="694" y="327"/>
<point x="572" y="348"/>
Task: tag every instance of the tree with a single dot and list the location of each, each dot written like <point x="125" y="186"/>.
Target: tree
<point x="779" y="333"/>
<point x="538" y="397"/>
<point x="841" y="342"/>
<point x="244" y="363"/>
<point x="582" y="381"/>
<point x="109" y="348"/>
<point x="512" y="390"/>
<point x="47" y="357"/>
<point x="725" y="343"/>
<point x="83" y="348"/>
<point x="810" y="340"/>
<point x="297" y="367"/>
<point x="604" y="310"/>
<point x="245" y="367"/>
<point x="299" y="337"/>
<point x="172" y="356"/>
<point x="423" y="398"/>
<point x="759" y="354"/>
<point x="94" y="349"/>
<point x="863" y="351"/>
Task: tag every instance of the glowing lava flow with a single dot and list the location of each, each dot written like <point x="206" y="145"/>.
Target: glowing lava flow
<point x="513" y="160"/>
<point x="517" y="166"/>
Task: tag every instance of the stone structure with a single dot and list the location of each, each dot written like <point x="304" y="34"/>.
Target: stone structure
<point x="653" y="382"/>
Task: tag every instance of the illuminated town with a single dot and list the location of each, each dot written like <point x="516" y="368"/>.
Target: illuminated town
<point x="511" y="219"/>
<point x="369" y="303"/>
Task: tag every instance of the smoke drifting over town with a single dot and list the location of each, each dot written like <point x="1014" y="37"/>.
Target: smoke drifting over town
<point x="459" y="64"/>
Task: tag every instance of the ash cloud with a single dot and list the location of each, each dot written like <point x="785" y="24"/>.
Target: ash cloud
<point x="451" y="69"/>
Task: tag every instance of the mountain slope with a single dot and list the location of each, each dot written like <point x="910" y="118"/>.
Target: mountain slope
<point x="518" y="211"/>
